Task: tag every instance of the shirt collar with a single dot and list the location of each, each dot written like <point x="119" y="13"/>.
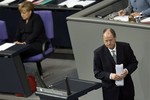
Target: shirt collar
<point x="114" y="49"/>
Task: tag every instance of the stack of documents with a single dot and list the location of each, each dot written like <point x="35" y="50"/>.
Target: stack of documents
<point x="119" y="70"/>
<point x="72" y="3"/>
<point x="121" y="18"/>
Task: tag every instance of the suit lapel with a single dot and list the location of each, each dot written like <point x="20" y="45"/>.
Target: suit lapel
<point x="119" y="53"/>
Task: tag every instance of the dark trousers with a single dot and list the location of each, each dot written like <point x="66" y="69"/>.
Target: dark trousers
<point x="123" y="97"/>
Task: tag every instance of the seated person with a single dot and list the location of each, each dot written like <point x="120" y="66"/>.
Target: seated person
<point x="30" y="30"/>
<point x="136" y="8"/>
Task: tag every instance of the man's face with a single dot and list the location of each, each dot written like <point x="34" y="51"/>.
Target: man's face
<point x="109" y="39"/>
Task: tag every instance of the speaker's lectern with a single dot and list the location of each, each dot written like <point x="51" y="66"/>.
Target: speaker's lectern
<point x="67" y="89"/>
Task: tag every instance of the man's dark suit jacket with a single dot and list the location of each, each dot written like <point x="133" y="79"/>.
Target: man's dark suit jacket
<point x="104" y="65"/>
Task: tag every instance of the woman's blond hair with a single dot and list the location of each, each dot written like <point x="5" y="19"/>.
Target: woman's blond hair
<point x="27" y="5"/>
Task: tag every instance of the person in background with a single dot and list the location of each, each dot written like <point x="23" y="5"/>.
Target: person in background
<point x="136" y="8"/>
<point x="30" y="30"/>
<point x="104" y="67"/>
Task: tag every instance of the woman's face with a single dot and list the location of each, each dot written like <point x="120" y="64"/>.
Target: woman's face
<point x="25" y="14"/>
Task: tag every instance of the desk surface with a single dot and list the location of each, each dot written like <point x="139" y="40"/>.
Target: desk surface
<point x="14" y="50"/>
<point x="12" y="73"/>
<point x="53" y="4"/>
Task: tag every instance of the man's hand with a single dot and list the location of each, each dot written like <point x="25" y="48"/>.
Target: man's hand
<point x="135" y="14"/>
<point x="121" y="13"/>
<point x="124" y="73"/>
<point x="116" y="77"/>
<point x="121" y="76"/>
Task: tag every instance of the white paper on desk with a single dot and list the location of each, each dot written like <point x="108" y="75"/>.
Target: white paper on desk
<point x="6" y="46"/>
<point x="119" y="69"/>
<point x="121" y="18"/>
<point x="6" y="2"/>
<point x="85" y="3"/>
<point x="30" y="0"/>
<point x="72" y="3"/>
<point x="73" y="0"/>
<point x="146" y="19"/>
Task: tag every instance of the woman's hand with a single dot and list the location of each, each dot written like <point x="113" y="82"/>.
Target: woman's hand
<point x="17" y="42"/>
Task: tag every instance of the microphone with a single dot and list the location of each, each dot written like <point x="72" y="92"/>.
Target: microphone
<point x="67" y="86"/>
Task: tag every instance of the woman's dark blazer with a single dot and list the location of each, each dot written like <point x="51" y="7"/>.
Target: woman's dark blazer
<point x="32" y="33"/>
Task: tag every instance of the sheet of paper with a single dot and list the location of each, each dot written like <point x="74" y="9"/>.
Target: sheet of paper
<point x="73" y="0"/>
<point x="72" y="3"/>
<point x="146" y="20"/>
<point x="37" y="2"/>
<point x="84" y="3"/>
<point x="30" y="0"/>
<point x="44" y="2"/>
<point x="119" y="69"/>
<point x="121" y="18"/>
<point x="6" y="46"/>
<point x="6" y="2"/>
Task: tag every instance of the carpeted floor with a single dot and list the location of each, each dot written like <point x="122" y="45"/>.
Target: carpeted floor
<point x="54" y="69"/>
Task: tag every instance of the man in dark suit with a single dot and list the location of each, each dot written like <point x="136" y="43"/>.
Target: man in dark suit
<point x="104" y="67"/>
